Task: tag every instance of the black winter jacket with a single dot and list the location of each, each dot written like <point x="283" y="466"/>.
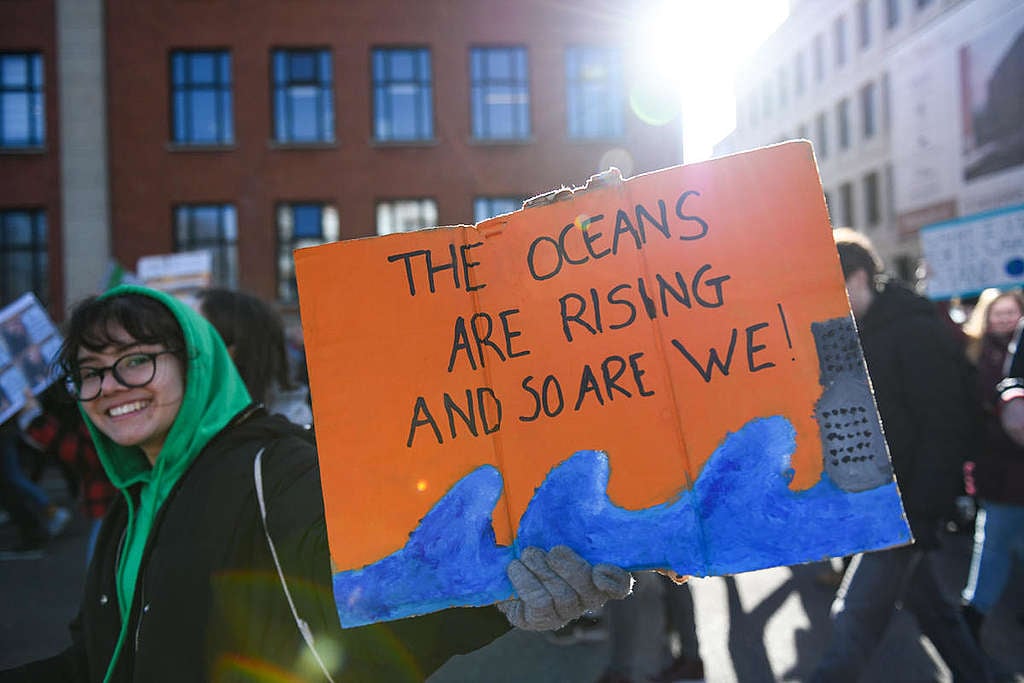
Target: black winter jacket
<point x="211" y="606"/>
<point x="922" y="386"/>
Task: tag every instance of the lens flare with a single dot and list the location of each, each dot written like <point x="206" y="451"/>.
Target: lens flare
<point x="655" y="103"/>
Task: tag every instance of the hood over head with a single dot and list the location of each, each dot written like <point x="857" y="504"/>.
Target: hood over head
<point x="214" y="394"/>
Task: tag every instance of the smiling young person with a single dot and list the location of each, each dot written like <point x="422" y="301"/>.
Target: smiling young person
<point x="184" y="584"/>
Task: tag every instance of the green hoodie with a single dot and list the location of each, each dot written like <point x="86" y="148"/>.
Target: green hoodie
<point x="214" y="395"/>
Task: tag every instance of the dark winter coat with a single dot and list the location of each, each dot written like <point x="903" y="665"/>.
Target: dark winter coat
<point x="999" y="462"/>
<point x="210" y="605"/>
<point x="1015" y="366"/>
<point x="922" y="386"/>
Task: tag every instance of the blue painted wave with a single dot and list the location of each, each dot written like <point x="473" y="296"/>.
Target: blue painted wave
<point x="750" y="519"/>
<point x="452" y="558"/>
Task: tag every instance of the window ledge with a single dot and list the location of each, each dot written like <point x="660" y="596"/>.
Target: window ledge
<point x="194" y="147"/>
<point x="619" y="140"/>
<point x="432" y="142"/>
<point x="291" y="145"/>
<point x="502" y="142"/>
<point x="30" y="151"/>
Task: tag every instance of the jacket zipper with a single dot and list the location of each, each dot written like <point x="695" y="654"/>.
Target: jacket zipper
<point x="143" y="608"/>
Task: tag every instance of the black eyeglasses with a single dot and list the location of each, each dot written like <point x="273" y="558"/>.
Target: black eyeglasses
<point x="132" y="370"/>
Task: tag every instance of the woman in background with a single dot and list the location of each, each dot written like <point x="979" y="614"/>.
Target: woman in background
<point x="254" y="334"/>
<point x="999" y="463"/>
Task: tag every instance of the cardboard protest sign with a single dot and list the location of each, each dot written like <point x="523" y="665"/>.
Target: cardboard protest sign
<point x="181" y="274"/>
<point x="29" y="342"/>
<point x="972" y="253"/>
<point x="658" y="372"/>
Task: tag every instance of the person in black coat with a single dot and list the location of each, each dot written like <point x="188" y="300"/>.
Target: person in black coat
<point x="922" y="388"/>
<point x="1011" y="389"/>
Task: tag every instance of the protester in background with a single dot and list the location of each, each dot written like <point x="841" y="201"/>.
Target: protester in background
<point x="921" y="384"/>
<point x="213" y="563"/>
<point x="254" y="334"/>
<point x="1011" y="389"/>
<point x="999" y="466"/>
<point x="32" y="534"/>
<point x="37" y="517"/>
<point x="633" y="626"/>
<point x="55" y="429"/>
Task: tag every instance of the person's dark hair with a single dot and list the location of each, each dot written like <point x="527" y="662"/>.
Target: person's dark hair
<point x="254" y="333"/>
<point x="857" y="253"/>
<point x="93" y="321"/>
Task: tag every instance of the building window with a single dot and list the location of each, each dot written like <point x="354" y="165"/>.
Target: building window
<point x="22" y="110"/>
<point x="801" y="131"/>
<point x="871" y="203"/>
<point x="892" y="13"/>
<point x="843" y="122"/>
<point x="821" y="136"/>
<point x="24" y="260"/>
<point x="839" y="33"/>
<point x="864" y="23"/>
<point x="867" y="110"/>
<point x="594" y="99"/>
<point x="403" y="95"/>
<point x="783" y="91"/>
<point x="300" y="224"/>
<point x="405" y="215"/>
<point x="819" y="58"/>
<point x="211" y="227"/>
<point x="766" y="98"/>
<point x="846" y="197"/>
<point x="885" y="101"/>
<point x="921" y="4"/>
<point x="828" y="207"/>
<point x="798" y="74"/>
<point x="752" y="111"/>
<point x="489" y="207"/>
<point x="890" y="208"/>
<point x="500" y="93"/>
<point x="201" y="97"/>
<point x="303" y="96"/>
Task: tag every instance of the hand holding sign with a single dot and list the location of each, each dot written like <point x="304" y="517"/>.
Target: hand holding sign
<point x="556" y="587"/>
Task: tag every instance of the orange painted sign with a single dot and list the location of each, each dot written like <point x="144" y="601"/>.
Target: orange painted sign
<point x="642" y="322"/>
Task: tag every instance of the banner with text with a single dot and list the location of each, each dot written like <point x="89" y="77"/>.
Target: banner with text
<point x="657" y="372"/>
<point x="969" y="254"/>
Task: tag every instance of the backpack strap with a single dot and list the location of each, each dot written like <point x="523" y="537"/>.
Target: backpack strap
<point x="307" y="634"/>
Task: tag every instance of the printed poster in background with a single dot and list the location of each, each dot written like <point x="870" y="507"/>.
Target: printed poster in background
<point x="29" y="342"/>
<point x="656" y="372"/>
<point x="957" y="131"/>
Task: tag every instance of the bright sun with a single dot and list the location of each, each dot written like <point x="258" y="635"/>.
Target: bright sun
<point x="696" y="46"/>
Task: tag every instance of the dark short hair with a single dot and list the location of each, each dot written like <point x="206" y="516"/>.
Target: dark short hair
<point x="256" y="333"/>
<point x="856" y="253"/>
<point x="93" y="321"/>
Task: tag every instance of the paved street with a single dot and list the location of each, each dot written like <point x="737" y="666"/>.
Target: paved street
<point x="764" y="626"/>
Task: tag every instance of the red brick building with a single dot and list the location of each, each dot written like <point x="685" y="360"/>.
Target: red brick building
<point x="30" y="200"/>
<point x="253" y="128"/>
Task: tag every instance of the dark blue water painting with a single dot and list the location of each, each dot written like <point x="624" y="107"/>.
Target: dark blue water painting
<point x="452" y="558"/>
<point x="749" y="519"/>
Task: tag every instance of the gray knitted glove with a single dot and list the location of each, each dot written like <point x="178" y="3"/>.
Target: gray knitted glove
<point x="558" y="586"/>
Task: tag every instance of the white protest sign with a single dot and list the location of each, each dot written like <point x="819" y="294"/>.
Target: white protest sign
<point x="972" y="253"/>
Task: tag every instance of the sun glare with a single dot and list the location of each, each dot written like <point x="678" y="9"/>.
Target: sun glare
<point x="691" y="50"/>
